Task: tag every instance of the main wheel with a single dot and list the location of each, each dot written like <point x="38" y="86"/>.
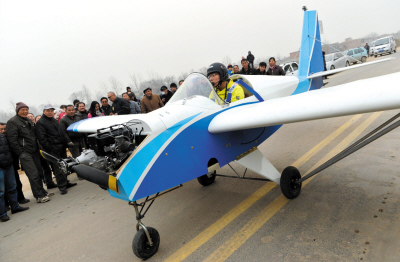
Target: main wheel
<point x="141" y="246"/>
<point x="206" y="180"/>
<point x="289" y="188"/>
<point x="332" y="67"/>
<point x="363" y="59"/>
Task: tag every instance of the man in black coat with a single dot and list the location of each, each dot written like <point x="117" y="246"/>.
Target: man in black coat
<point x="120" y="106"/>
<point x="246" y="69"/>
<point x="250" y="58"/>
<point x="105" y="107"/>
<point x="166" y="95"/>
<point x="7" y="182"/>
<point x="22" y="140"/>
<point x="54" y="141"/>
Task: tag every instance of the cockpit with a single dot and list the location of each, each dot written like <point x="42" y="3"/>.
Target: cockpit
<point x="196" y="85"/>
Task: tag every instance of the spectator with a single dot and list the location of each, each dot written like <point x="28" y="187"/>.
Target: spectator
<point x="105" y="107"/>
<point x="8" y="185"/>
<point x="21" y="197"/>
<point x="82" y="113"/>
<point x="134" y="107"/>
<point x="246" y="70"/>
<point x="173" y="88"/>
<point x="367" y="48"/>
<point x="275" y="69"/>
<point x="128" y="89"/>
<point x="31" y="117"/>
<point x="261" y="70"/>
<point x="120" y="106"/>
<point x="37" y="118"/>
<point x="230" y="70"/>
<point x="166" y="95"/>
<point x="54" y="141"/>
<point x="76" y="101"/>
<point x="250" y="58"/>
<point x="76" y="138"/>
<point x="132" y="97"/>
<point x="62" y="113"/>
<point x="181" y="82"/>
<point x="150" y="101"/>
<point x="94" y="110"/>
<point x="323" y="57"/>
<point x="23" y="143"/>
<point x="235" y="69"/>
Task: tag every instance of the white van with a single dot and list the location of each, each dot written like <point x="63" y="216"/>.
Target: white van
<point x="383" y="45"/>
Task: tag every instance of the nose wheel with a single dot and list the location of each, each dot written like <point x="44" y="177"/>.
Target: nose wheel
<point x="289" y="187"/>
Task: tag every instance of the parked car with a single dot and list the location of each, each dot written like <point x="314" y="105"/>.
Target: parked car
<point x="357" y="54"/>
<point x="336" y="60"/>
<point x="384" y="45"/>
<point x="291" y="68"/>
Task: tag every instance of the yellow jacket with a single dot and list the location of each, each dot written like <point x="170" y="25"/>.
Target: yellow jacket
<point x="236" y="94"/>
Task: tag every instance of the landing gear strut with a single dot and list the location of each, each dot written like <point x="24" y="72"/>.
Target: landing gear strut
<point x="147" y="240"/>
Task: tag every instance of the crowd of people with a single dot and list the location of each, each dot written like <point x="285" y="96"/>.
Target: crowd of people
<point x="24" y="135"/>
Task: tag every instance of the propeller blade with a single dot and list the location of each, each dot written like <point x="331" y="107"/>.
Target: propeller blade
<point x="96" y="176"/>
<point x="49" y="157"/>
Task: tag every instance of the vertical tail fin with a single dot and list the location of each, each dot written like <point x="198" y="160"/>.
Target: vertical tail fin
<point x="311" y="60"/>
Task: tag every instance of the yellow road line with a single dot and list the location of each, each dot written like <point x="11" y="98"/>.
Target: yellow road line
<point x="204" y="236"/>
<point x="238" y="239"/>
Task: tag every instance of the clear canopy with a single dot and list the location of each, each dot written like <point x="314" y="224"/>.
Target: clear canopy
<point x="196" y="85"/>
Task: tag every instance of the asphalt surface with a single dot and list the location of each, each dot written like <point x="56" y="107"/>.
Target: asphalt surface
<point x="348" y="212"/>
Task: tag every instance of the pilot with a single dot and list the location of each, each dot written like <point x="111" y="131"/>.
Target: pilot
<point x="226" y="89"/>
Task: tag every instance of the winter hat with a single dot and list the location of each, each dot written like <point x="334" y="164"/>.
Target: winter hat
<point x="20" y="105"/>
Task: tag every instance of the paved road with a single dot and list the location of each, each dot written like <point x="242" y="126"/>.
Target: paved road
<point x="349" y="212"/>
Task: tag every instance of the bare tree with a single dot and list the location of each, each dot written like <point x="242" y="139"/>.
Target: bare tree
<point x="76" y="95"/>
<point x="116" y="86"/>
<point x="87" y="95"/>
<point x="226" y="60"/>
<point x="12" y="103"/>
<point x="136" y="80"/>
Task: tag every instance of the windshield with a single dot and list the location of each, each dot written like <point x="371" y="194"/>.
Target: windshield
<point x="329" y="58"/>
<point x="196" y="85"/>
<point x="383" y="41"/>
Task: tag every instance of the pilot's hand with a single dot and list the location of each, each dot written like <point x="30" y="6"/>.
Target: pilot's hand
<point x="163" y="99"/>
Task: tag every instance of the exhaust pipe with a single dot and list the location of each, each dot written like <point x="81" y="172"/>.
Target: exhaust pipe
<point x="96" y="176"/>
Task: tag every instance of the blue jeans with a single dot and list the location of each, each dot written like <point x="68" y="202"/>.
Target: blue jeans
<point x="8" y="186"/>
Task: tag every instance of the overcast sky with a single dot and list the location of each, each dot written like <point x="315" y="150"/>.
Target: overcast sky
<point x="48" y="49"/>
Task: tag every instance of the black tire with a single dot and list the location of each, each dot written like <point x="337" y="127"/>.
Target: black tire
<point x="395" y="49"/>
<point x="290" y="189"/>
<point x="332" y="67"/>
<point x="363" y="59"/>
<point x="205" y="180"/>
<point x="140" y="245"/>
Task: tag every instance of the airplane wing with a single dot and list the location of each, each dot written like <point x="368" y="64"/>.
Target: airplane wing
<point x="369" y="95"/>
<point x="330" y="72"/>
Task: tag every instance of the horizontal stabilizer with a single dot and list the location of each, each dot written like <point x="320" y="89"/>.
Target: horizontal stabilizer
<point x="330" y="72"/>
<point x="363" y="96"/>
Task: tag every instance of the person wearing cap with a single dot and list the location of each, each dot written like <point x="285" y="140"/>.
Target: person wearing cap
<point x="166" y="96"/>
<point x="225" y="88"/>
<point x="250" y="58"/>
<point x="246" y="69"/>
<point x="173" y="88"/>
<point x="150" y="101"/>
<point x="22" y="140"/>
<point x="119" y="106"/>
<point x="54" y="141"/>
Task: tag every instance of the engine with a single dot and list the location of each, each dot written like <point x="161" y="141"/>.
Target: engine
<point x="109" y="149"/>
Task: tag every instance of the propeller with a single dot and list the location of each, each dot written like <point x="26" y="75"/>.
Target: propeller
<point x="49" y="157"/>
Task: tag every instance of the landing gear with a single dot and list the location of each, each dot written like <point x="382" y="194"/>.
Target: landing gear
<point x="207" y="179"/>
<point x="147" y="240"/>
<point x="289" y="187"/>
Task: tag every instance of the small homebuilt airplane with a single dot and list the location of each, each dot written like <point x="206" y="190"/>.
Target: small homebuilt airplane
<point x="128" y="154"/>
